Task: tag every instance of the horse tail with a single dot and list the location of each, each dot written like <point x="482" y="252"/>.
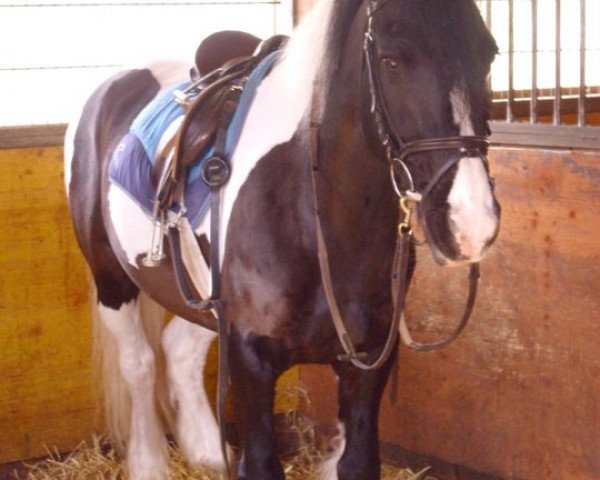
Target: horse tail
<point x="109" y="381"/>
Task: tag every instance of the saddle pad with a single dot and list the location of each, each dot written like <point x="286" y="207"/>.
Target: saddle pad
<point x="131" y="164"/>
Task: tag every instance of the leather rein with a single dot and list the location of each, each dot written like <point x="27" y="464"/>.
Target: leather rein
<point x="397" y="152"/>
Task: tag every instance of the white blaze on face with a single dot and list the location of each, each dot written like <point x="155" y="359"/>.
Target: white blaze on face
<point x="473" y="219"/>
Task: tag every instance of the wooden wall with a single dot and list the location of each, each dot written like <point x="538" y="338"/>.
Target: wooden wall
<point x="46" y="395"/>
<point x="518" y="394"/>
<point x="47" y="398"/>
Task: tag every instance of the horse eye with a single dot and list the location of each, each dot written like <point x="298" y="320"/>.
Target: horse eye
<point x="390" y="63"/>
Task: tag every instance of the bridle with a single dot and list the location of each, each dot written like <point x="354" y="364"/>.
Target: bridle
<point x="396" y="149"/>
<point x="397" y="152"/>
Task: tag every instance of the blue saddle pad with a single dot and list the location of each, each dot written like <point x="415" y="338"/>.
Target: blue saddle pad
<point x="131" y="164"/>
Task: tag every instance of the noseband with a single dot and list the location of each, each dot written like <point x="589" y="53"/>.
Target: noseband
<point x="398" y="152"/>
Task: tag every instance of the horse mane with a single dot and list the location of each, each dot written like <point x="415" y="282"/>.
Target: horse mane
<point x="316" y="48"/>
<point x="338" y="29"/>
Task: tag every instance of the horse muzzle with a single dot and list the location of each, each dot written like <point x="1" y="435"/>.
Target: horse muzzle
<point x="461" y="226"/>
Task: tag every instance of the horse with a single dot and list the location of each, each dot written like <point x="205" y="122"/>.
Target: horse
<point x="369" y="99"/>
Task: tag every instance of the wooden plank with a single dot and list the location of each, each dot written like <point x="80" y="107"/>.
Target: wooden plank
<point x="517" y="394"/>
<point x="32" y="136"/>
<point x="545" y="136"/>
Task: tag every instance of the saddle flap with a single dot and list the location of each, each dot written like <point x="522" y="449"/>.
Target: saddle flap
<point x="202" y="127"/>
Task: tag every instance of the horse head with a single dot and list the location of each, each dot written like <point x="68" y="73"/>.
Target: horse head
<point x="427" y="62"/>
<point x="426" y="101"/>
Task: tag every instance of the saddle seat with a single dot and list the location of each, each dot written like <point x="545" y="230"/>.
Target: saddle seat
<point x="220" y="48"/>
<point x="224" y="61"/>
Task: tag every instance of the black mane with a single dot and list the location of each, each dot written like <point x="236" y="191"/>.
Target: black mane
<point x="451" y="30"/>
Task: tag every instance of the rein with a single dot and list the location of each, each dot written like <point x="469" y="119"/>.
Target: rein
<point x="397" y="152"/>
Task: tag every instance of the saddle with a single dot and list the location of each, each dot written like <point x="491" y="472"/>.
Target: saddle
<point x="224" y="61"/>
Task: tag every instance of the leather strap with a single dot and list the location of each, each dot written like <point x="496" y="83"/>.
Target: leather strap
<point x="399" y="268"/>
<point x="213" y="303"/>
<point x="215" y="177"/>
<point x="428" y="347"/>
<point x="399" y="276"/>
<point x="185" y="252"/>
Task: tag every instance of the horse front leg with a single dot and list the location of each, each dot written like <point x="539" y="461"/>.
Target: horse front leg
<point x="186" y="348"/>
<point x="360" y="395"/>
<point x="253" y="376"/>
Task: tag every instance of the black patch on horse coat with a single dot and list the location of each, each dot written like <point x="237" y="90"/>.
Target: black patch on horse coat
<point x="105" y="118"/>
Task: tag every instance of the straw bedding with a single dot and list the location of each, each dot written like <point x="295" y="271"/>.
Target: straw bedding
<point x="96" y="462"/>
<point x="305" y="448"/>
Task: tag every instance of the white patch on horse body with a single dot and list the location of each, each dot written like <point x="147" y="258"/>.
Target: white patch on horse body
<point x="472" y="216"/>
<point x="186" y="347"/>
<point x="147" y="446"/>
<point x="328" y="470"/>
<point x="130" y="223"/>
<point x="282" y="101"/>
<point x="168" y="73"/>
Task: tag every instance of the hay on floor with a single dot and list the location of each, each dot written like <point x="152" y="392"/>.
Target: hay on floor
<point x="97" y="462"/>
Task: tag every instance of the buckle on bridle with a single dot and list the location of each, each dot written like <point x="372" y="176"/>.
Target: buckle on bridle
<point x="404" y="227"/>
<point x="351" y="353"/>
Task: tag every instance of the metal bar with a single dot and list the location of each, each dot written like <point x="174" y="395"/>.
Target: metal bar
<point x="582" y="86"/>
<point x="533" y="109"/>
<point x="511" y="62"/>
<point x="488" y="22"/>
<point x="141" y="3"/>
<point x="557" y="93"/>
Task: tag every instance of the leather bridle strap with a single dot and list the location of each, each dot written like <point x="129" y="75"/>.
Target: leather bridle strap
<point x="399" y="280"/>
<point x="428" y="347"/>
<point x="351" y="353"/>
<point x="464" y="144"/>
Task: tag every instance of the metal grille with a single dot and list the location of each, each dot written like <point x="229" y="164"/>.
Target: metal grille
<point x="548" y="70"/>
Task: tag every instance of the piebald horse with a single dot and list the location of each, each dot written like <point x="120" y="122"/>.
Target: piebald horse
<point x="360" y="85"/>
